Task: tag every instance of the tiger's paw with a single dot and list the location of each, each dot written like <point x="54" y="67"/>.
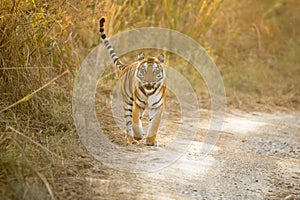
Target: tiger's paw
<point x="151" y="141"/>
<point x="129" y="139"/>
<point x="132" y="140"/>
<point x="154" y="144"/>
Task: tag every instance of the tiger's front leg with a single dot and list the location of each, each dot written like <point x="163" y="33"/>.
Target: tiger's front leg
<point x="137" y="127"/>
<point x="155" y="118"/>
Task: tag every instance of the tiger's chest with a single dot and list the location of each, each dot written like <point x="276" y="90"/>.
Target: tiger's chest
<point x="149" y="97"/>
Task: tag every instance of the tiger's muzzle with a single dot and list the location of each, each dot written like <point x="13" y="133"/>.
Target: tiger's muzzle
<point x="149" y="86"/>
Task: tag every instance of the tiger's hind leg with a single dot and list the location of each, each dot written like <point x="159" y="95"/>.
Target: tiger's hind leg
<point x="155" y="118"/>
<point x="128" y="119"/>
<point x="129" y="130"/>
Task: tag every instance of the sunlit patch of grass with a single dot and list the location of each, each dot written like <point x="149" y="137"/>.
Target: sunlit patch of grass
<point x="254" y="47"/>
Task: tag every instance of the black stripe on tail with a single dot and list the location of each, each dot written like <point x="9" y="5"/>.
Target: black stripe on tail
<point x="110" y="49"/>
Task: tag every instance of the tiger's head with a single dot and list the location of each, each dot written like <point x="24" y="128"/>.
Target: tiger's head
<point x="150" y="72"/>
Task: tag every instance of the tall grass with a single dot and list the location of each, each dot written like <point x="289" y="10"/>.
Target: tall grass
<point x="254" y="46"/>
<point x="190" y="17"/>
<point x="35" y="49"/>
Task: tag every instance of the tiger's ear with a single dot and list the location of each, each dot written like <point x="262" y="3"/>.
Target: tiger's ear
<point x="161" y="58"/>
<point x="141" y="56"/>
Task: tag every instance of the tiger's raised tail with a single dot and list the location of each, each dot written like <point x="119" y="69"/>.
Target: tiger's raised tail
<point x="110" y="49"/>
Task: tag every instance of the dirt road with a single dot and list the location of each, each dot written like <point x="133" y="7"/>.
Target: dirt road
<point x="257" y="156"/>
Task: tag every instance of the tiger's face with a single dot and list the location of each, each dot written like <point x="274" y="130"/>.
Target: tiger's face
<point x="150" y="72"/>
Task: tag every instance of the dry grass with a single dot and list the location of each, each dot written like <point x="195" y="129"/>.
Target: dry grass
<point x="37" y="48"/>
<point x="255" y="49"/>
<point x="254" y="43"/>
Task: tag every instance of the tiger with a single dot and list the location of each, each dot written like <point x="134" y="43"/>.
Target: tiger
<point x="143" y="86"/>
